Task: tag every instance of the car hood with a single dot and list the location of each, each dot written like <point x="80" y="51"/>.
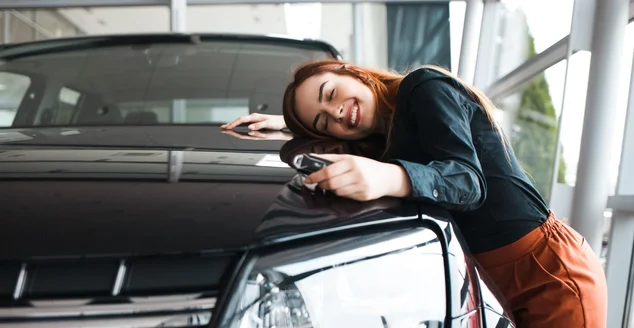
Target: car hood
<point x="97" y="191"/>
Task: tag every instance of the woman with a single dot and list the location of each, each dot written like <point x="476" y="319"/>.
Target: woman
<point x="444" y="147"/>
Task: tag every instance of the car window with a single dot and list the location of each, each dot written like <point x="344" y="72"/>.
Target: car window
<point x="218" y="110"/>
<point x="162" y="83"/>
<point x="13" y="87"/>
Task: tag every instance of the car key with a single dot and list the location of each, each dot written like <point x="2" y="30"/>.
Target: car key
<point x="307" y="164"/>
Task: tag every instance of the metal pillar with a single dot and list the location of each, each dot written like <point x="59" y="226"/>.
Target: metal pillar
<point x="591" y="191"/>
<point x="6" y="14"/>
<point x="357" y="33"/>
<point x="620" y="264"/>
<point x="470" y="40"/>
<point x="483" y="76"/>
<point x="620" y="258"/>
<point x="178" y="15"/>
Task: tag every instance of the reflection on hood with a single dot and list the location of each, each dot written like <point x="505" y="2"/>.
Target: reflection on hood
<point x="297" y="206"/>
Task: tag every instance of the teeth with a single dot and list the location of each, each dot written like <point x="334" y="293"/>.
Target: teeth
<point x="354" y="114"/>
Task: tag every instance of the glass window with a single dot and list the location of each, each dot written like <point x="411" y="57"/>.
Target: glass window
<point x="52" y="24"/>
<point x="21" y="26"/>
<point x="530" y="119"/>
<point x="13" y="87"/>
<point x="528" y="27"/>
<point x="575" y="105"/>
<point x="195" y="111"/>
<point x="31" y="25"/>
<point x="131" y="84"/>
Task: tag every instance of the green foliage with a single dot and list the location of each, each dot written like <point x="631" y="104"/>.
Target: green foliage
<point x="535" y="141"/>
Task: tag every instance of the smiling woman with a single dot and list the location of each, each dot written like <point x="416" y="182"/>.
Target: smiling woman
<point x="444" y="147"/>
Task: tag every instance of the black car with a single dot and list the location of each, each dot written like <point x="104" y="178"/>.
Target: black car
<point x="122" y="203"/>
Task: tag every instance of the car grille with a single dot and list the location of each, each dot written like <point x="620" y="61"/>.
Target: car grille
<point x="132" y="292"/>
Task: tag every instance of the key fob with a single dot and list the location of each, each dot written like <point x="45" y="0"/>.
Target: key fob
<point x="307" y="164"/>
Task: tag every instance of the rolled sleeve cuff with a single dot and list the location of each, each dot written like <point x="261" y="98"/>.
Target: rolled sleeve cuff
<point x="422" y="180"/>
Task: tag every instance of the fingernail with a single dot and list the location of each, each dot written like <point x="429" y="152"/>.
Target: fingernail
<point x="251" y="133"/>
<point x="251" y="126"/>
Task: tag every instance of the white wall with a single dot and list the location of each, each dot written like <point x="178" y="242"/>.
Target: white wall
<point x="247" y="19"/>
<point x="375" y="35"/>
<point x="335" y="23"/>
<point x="113" y="20"/>
<point x="336" y="27"/>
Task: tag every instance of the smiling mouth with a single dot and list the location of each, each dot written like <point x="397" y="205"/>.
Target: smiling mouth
<point x="354" y="115"/>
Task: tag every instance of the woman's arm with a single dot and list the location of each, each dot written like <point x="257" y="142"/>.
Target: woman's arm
<point x="454" y="179"/>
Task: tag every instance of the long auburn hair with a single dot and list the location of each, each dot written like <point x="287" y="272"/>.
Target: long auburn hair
<point x="383" y="84"/>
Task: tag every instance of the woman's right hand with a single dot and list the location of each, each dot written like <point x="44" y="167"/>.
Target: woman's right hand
<point x="258" y="122"/>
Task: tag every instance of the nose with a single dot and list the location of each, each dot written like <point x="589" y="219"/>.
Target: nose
<point x="338" y="114"/>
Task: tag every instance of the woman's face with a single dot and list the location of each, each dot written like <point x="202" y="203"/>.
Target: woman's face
<point x="336" y="105"/>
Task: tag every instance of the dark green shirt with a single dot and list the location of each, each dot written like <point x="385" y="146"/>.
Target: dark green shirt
<point x="456" y="160"/>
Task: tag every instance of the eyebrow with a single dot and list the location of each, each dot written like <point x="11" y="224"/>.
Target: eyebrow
<point x="321" y="96"/>
<point x="321" y="91"/>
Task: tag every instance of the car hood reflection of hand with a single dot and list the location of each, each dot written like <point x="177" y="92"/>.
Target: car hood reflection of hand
<point x="297" y="208"/>
<point x="328" y="202"/>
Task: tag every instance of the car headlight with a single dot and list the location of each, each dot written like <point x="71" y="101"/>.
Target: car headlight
<point x="389" y="279"/>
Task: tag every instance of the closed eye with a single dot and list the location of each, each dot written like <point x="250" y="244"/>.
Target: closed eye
<point x="332" y="94"/>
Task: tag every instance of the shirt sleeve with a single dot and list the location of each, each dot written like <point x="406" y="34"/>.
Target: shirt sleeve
<point x="454" y="179"/>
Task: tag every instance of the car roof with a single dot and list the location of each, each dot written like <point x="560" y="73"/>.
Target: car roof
<point x="13" y="50"/>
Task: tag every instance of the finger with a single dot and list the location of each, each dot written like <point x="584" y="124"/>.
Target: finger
<point x="238" y="135"/>
<point x="241" y="120"/>
<point x="329" y="172"/>
<point x="257" y="134"/>
<point x="234" y="123"/>
<point x="259" y="126"/>
<point x="338" y="182"/>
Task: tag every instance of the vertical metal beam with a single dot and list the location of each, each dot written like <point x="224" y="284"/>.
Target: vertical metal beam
<point x="620" y="261"/>
<point x="619" y="266"/>
<point x="591" y="190"/>
<point x="470" y="40"/>
<point x="625" y="182"/>
<point x="581" y="29"/>
<point x="179" y="111"/>
<point x="178" y="23"/>
<point x="178" y="15"/>
<point x="486" y="45"/>
<point x="175" y="162"/>
<point x="358" y="45"/>
<point x="6" y="14"/>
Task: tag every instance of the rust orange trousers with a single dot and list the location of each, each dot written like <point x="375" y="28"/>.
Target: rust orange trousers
<point x="550" y="278"/>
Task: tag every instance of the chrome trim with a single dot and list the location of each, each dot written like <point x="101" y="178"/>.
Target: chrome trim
<point x="118" y="282"/>
<point x="19" y="285"/>
<point x="151" y="305"/>
<point x="196" y="319"/>
<point x="297" y="161"/>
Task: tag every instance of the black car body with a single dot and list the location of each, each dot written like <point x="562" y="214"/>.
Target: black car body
<point x="116" y="213"/>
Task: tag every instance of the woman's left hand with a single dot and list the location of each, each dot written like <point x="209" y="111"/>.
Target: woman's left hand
<point x="361" y="178"/>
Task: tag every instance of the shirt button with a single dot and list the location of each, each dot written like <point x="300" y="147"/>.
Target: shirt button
<point x="435" y="193"/>
<point x="462" y="199"/>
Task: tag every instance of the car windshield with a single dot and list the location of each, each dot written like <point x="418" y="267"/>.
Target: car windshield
<point x="208" y="82"/>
